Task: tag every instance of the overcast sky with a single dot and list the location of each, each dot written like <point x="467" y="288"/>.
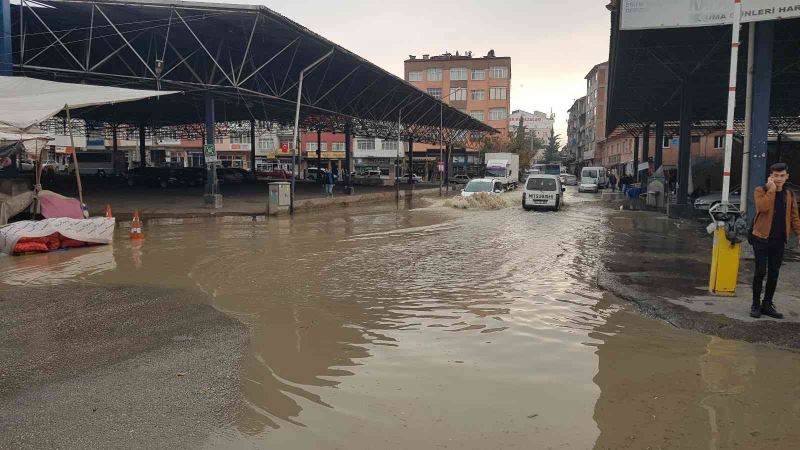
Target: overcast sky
<point x="552" y="43"/>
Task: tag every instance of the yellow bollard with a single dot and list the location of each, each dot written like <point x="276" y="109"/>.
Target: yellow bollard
<point x="724" y="265"/>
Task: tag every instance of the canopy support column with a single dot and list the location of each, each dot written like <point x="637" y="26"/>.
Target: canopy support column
<point x="411" y="163"/>
<point x="685" y="146"/>
<point x="636" y="158"/>
<point x="646" y="151"/>
<point x="659" y="150"/>
<point x="253" y="147"/>
<point x="142" y="146"/>
<point x="212" y="196"/>
<point x="319" y="154"/>
<point x="762" y="89"/>
<point x="6" y="63"/>
<point x="348" y="182"/>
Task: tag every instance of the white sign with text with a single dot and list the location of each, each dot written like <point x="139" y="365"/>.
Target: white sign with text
<point x="647" y="14"/>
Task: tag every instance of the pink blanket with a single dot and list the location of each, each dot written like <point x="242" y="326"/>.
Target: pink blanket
<point x="54" y="206"/>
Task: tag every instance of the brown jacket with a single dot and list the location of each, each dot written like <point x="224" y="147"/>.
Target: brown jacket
<point x="765" y="208"/>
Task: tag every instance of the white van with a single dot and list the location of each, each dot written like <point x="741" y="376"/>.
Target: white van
<point x="593" y="179"/>
<point x="543" y="191"/>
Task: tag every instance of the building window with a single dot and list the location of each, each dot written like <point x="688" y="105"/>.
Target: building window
<point x="478" y="74"/>
<point x="478" y="115"/>
<point x="266" y="143"/>
<point x="434" y="74"/>
<point x="498" y="72"/>
<point x="389" y="145"/>
<point x="458" y="94"/>
<point x="498" y="114"/>
<point x="667" y="142"/>
<point x="458" y="74"/>
<point x="435" y="92"/>
<point x="415" y="76"/>
<point x="479" y="95"/>
<point x="719" y="142"/>
<point x="240" y="138"/>
<point x="218" y="138"/>
<point x="337" y="146"/>
<point x="498" y="93"/>
<point x="312" y="146"/>
<point x="695" y="139"/>
<point x="365" y="144"/>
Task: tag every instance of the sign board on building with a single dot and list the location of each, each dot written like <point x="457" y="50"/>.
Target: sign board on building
<point x="240" y="147"/>
<point x="647" y="14"/>
<point x="95" y="143"/>
<point x="440" y="166"/>
<point x="210" y="153"/>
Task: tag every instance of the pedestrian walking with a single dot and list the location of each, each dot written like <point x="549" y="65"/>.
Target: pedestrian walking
<point x="612" y="180"/>
<point x="776" y="217"/>
<point x="327" y="178"/>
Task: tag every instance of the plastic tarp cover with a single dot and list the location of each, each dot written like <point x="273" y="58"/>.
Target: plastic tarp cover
<point x="25" y="102"/>
<point x="99" y="230"/>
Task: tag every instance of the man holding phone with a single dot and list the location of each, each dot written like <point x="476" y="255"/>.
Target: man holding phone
<point x="776" y="216"/>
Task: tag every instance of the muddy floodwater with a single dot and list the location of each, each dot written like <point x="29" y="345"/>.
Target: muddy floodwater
<point x="434" y="327"/>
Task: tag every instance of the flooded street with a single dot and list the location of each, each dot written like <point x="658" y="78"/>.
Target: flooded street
<point x="432" y="327"/>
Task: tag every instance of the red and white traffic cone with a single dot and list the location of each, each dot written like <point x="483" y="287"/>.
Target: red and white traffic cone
<point x="136" y="227"/>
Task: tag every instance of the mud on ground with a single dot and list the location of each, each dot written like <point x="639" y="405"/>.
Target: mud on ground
<point x="108" y="367"/>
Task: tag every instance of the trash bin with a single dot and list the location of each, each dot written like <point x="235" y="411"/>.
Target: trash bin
<point x="279" y="198"/>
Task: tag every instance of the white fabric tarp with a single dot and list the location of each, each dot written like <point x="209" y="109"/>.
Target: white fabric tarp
<point x="25" y="102"/>
<point x="99" y="230"/>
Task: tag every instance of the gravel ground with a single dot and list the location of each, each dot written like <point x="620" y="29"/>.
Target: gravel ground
<point x="115" y="367"/>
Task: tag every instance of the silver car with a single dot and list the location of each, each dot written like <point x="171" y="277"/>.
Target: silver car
<point x="705" y="202"/>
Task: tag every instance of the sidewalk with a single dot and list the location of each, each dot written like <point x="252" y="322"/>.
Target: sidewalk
<point x="663" y="266"/>
<point x="248" y="199"/>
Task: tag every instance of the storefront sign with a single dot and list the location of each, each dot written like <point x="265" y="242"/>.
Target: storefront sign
<point x="210" y="153"/>
<point x="648" y="14"/>
<point x="440" y="167"/>
<point x="325" y="155"/>
<point x="240" y="147"/>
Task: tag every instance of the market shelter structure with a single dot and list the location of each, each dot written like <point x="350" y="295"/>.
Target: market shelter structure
<point x="232" y="62"/>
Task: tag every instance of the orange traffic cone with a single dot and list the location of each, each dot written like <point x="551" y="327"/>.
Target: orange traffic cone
<point x="109" y="215"/>
<point x="136" y="227"/>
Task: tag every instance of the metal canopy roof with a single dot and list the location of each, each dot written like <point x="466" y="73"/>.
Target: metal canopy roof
<point x="247" y="56"/>
<point x="648" y="67"/>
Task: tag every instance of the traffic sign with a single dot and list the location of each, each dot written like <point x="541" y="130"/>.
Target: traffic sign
<point x="210" y="153"/>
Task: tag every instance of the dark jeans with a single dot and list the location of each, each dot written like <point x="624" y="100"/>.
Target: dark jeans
<point x="769" y="257"/>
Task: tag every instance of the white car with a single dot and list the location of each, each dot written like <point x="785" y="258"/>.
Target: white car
<point x="486" y="185"/>
<point x="568" y="179"/>
<point x="416" y="178"/>
<point x="543" y="191"/>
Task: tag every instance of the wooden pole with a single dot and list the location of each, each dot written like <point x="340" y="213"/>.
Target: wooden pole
<point x="75" y="157"/>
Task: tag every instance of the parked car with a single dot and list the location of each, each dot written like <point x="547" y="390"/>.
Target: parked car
<point x="414" y="177"/>
<point x="459" y="179"/>
<point x="592" y="179"/>
<point x="27" y="165"/>
<point x="158" y="176"/>
<point x="191" y="176"/>
<point x="53" y="165"/>
<point x="568" y="179"/>
<point x="281" y="174"/>
<point x="707" y="201"/>
<point x="543" y="191"/>
<point x="229" y="176"/>
<point x="487" y="185"/>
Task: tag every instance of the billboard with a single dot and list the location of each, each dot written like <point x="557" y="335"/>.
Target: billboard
<point x="647" y="14"/>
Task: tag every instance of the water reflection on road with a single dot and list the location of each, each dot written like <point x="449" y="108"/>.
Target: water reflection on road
<point x="434" y="327"/>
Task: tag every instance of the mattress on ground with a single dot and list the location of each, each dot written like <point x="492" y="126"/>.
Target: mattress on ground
<point x="97" y="230"/>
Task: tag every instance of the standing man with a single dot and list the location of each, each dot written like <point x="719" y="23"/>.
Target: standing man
<point x="327" y="178"/>
<point x="776" y="216"/>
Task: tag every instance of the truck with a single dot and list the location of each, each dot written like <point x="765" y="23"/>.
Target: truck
<point x="503" y="167"/>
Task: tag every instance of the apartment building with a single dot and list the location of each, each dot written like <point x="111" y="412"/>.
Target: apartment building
<point x="478" y="86"/>
<point x="596" y="93"/>
<point x="576" y="131"/>
<point x="537" y="123"/>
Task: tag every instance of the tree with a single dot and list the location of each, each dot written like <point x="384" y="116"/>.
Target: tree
<point x="551" y="153"/>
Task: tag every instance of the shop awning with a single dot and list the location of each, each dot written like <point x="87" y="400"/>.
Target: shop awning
<point x="25" y="102"/>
